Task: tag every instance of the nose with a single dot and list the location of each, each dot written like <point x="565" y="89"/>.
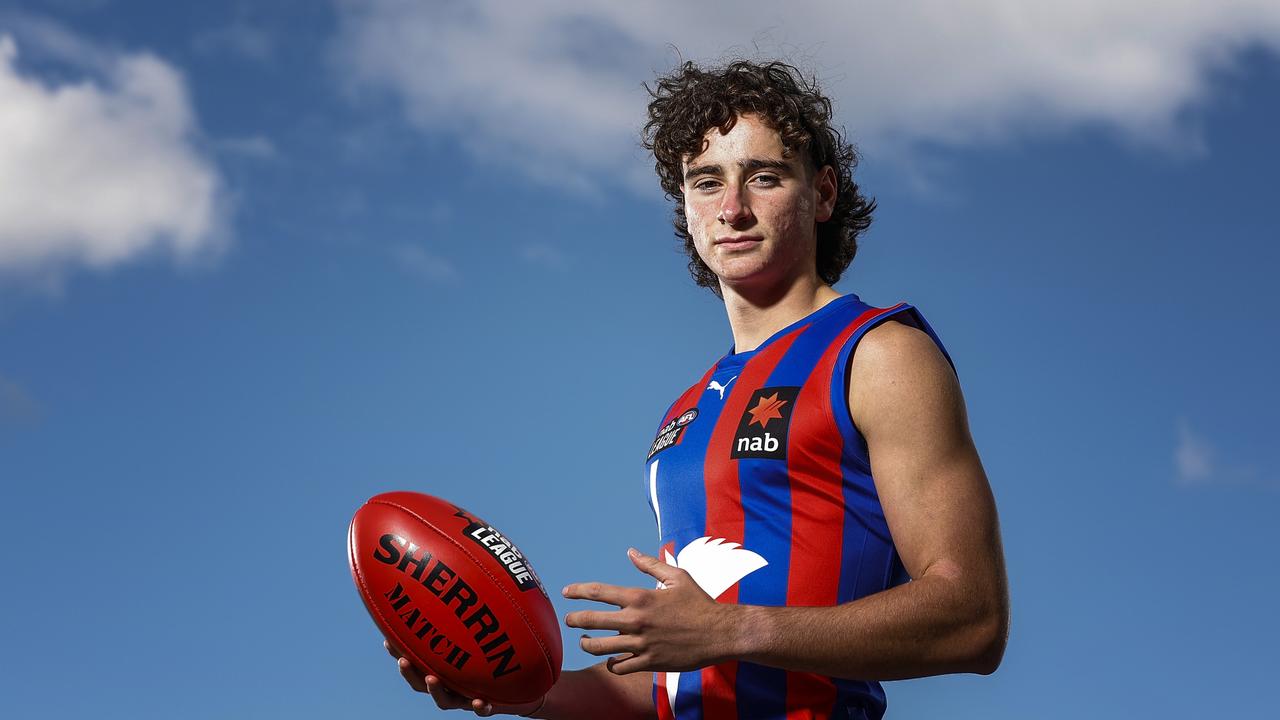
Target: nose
<point x="733" y="206"/>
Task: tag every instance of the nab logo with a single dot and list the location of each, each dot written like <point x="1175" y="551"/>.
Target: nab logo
<point x="762" y="431"/>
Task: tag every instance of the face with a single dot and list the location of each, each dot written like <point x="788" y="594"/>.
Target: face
<point x="752" y="211"/>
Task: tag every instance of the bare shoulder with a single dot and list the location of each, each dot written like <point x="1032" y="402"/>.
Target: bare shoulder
<point x="898" y="372"/>
<point x="893" y="342"/>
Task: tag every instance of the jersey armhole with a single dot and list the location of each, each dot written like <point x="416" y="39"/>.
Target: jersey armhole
<point x="854" y="442"/>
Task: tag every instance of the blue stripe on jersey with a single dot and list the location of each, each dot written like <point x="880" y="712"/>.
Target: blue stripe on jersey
<point x="689" y="697"/>
<point x="648" y="495"/>
<point x="682" y="496"/>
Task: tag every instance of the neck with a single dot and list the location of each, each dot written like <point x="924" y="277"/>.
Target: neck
<point x="754" y="316"/>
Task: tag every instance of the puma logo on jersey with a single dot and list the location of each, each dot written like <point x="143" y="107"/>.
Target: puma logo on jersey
<point x="715" y="565"/>
<point x="715" y="385"/>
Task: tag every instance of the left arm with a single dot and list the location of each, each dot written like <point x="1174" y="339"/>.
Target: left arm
<point x="953" y="615"/>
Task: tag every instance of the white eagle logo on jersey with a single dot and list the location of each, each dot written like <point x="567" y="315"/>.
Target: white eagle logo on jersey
<point x="716" y="565"/>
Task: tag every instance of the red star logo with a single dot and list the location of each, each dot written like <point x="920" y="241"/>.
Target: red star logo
<point x="768" y="408"/>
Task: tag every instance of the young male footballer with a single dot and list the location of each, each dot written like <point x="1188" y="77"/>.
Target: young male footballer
<point x="824" y="517"/>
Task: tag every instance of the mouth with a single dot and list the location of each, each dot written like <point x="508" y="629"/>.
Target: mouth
<point x="740" y="242"/>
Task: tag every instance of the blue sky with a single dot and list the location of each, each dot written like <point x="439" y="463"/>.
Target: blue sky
<point x="258" y="264"/>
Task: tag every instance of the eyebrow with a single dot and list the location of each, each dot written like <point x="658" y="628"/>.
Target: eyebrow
<point x="749" y="165"/>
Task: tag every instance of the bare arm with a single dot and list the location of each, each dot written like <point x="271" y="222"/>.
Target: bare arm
<point x="577" y="695"/>
<point x="953" y="617"/>
<point x="580" y="694"/>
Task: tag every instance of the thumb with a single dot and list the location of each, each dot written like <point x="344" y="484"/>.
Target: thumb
<point x="652" y="566"/>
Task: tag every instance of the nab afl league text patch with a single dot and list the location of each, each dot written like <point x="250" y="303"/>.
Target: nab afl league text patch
<point x="762" y="430"/>
<point x="670" y="433"/>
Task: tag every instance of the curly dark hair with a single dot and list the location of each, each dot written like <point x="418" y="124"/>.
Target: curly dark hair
<point x="690" y="100"/>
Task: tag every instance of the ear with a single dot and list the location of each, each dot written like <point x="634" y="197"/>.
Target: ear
<point x="825" y="186"/>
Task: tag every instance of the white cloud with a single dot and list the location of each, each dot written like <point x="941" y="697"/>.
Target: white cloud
<point x="424" y="264"/>
<point x="1192" y="457"/>
<point x="103" y="169"/>
<point x="555" y="86"/>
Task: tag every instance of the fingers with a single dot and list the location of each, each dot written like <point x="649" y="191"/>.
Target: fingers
<point x="627" y="665"/>
<point x="447" y="699"/>
<point x="412" y="676"/>
<point x="444" y="698"/>
<point x="601" y="592"/>
<point x="594" y="620"/>
<point x="611" y="645"/>
<point x="392" y="650"/>
<point x="481" y="708"/>
<point x="652" y="566"/>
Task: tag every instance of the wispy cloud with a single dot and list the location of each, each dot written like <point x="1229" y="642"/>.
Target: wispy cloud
<point x="101" y="170"/>
<point x="1196" y="462"/>
<point x="544" y="255"/>
<point x="555" y="86"/>
<point x="419" y="262"/>
<point x="1192" y="457"/>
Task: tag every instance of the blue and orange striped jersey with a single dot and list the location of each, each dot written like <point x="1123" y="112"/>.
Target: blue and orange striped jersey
<point x="762" y="490"/>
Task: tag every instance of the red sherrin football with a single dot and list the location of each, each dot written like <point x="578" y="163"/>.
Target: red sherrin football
<point x="456" y="596"/>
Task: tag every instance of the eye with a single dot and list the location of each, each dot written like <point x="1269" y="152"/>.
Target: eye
<point x="705" y="185"/>
<point x="766" y="180"/>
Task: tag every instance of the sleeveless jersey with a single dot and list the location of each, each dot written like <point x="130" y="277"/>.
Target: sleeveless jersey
<point x="762" y="490"/>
